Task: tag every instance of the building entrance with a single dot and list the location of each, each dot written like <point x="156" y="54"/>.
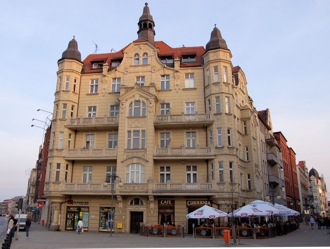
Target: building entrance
<point x="136" y="219"/>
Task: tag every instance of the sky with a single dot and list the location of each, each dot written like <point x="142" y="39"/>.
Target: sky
<point x="282" y="46"/>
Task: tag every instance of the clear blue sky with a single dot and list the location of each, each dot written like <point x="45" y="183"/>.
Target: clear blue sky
<point x="282" y="46"/>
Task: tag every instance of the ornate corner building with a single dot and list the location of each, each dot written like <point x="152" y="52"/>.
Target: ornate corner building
<point x="176" y="125"/>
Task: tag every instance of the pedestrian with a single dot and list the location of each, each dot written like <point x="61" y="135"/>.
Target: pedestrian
<point x="27" y="226"/>
<point x="11" y="226"/>
<point x="327" y="224"/>
<point x="312" y="221"/>
<point x="80" y="226"/>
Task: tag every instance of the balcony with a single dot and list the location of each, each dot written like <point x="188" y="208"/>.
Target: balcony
<point x="90" y="154"/>
<point x="183" y="152"/>
<point x="270" y="140"/>
<point x="184" y="188"/>
<point x="272" y="159"/>
<point x="94" y="123"/>
<point x="275" y="180"/>
<point x="182" y="120"/>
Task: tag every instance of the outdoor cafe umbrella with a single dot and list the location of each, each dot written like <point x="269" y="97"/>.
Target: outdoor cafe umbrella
<point x="248" y="210"/>
<point x="206" y="212"/>
<point x="289" y="211"/>
<point x="268" y="207"/>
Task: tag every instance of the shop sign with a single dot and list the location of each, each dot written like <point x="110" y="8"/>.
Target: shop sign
<point x="80" y="203"/>
<point x="198" y="203"/>
<point x="166" y="203"/>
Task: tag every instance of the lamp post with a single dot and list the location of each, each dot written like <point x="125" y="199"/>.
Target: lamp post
<point x="272" y="192"/>
<point x="111" y="178"/>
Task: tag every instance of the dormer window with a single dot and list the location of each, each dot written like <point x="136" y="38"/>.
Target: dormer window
<point x="97" y="65"/>
<point x="188" y="58"/>
<point x="167" y="60"/>
<point x="115" y="63"/>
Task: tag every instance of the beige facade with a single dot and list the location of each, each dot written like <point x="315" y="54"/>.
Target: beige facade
<point x="179" y="134"/>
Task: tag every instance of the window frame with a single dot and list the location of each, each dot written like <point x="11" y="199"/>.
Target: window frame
<point x="138" y="173"/>
<point x="137" y="109"/>
<point x="145" y="59"/>
<point x="140" y="80"/>
<point x="219" y="137"/>
<point x="114" y="110"/>
<point x="221" y="171"/>
<point x="89" y="141"/>
<point x="112" y="140"/>
<point x="191" y="139"/>
<point x="94" y="86"/>
<point x="87" y="176"/>
<point x="115" y="85"/>
<point x="136" y="59"/>
<point x="67" y="83"/>
<point x="217" y="105"/>
<point x="165" y="82"/>
<point x="164" y="174"/>
<point x="216" y="74"/>
<point x="229" y="136"/>
<point x="60" y="140"/>
<point x="165" y="108"/>
<point x="191" y="173"/>
<point x="190" y="108"/>
<point x="189" y="80"/>
<point x="164" y="139"/>
<point x="91" y="111"/>
<point x="136" y="139"/>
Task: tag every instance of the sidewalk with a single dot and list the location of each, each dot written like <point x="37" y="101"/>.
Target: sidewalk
<point x="41" y="238"/>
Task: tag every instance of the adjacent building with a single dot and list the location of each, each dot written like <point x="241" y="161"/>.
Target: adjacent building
<point x="150" y="133"/>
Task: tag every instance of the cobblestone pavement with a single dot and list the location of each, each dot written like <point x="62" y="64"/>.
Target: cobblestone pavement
<point x="41" y="238"/>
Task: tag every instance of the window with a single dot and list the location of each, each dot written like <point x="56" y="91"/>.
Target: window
<point x="217" y="105"/>
<point x="221" y="172"/>
<point x="216" y="74"/>
<point x="114" y="110"/>
<point x="140" y="80"/>
<point x="219" y="137"/>
<point x="69" y="141"/>
<point x="60" y="140"/>
<point x="94" y="85"/>
<point x="113" y="140"/>
<point x="67" y="83"/>
<point x="241" y="179"/>
<point x="165" y="174"/>
<point x="56" y="111"/>
<point x="66" y="172"/>
<point x="53" y="141"/>
<point x="164" y="109"/>
<point x="191" y="139"/>
<point x="247" y="153"/>
<point x="72" y="111"/>
<point x="97" y="65"/>
<point x="240" y="150"/>
<point x="50" y="172"/>
<point x="74" y="85"/>
<point x="209" y="105"/>
<point x="191" y="174"/>
<point x="89" y="141"/>
<point x="244" y="127"/>
<point x="91" y="111"/>
<point x="249" y="181"/>
<point x="207" y="77"/>
<point x="59" y="83"/>
<point x="227" y="104"/>
<point x="210" y="137"/>
<point x="229" y="137"/>
<point x="190" y="108"/>
<point x="167" y="60"/>
<point x="136" y="139"/>
<point x="165" y="82"/>
<point x="164" y="139"/>
<point x="135" y="173"/>
<point x="189" y="80"/>
<point x="137" y="108"/>
<point x="231" y="173"/>
<point x="115" y="64"/>
<point x="188" y="58"/>
<point x="212" y="171"/>
<point x="64" y="106"/>
<point x="136" y="59"/>
<point x="145" y="59"/>
<point x="57" y="173"/>
<point x="225" y="74"/>
<point x="116" y="85"/>
<point x="87" y="174"/>
<point x="111" y="171"/>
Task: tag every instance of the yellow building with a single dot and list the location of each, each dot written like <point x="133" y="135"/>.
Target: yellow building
<point x="172" y="128"/>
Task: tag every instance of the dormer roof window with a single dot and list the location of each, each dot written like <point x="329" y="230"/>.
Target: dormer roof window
<point x="188" y="58"/>
<point x="115" y="63"/>
<point x="97" y="64"/>
<point x="167" y="60"/>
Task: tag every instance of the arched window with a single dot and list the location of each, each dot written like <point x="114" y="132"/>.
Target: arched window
<point x="145" y="59"/>
<point x="136" y="59"/>
<point x="145" y="25"/>
<point x="136" y="201"/>
<point x="150" y="26"/>
<point x="135" y="173"/>
<point x="137" y="108"/>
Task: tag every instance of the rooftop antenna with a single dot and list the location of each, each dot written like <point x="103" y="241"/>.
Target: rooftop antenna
<point x="96" y="47"/>
<point x="112" y="50"/>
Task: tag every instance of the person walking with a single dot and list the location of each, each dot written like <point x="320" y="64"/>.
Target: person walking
<point x="312" y="221"/>
<point x="11" y="226"/>
<point x="80" y="226"/>
<point x="327" y="224"/>
<point x="27" y="226"/>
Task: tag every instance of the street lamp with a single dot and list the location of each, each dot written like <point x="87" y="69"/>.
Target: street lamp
<point x="111" y="178"/>
<point x="272" y="192"/>
<point x="38" y="127"/>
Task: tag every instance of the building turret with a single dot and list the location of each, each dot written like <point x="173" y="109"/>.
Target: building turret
<point x="216" y="41"/>
<point x="146" y="25"/>
<point x="72" y="51"/>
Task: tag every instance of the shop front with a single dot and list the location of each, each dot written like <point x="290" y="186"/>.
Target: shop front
<point x="166" y="211"/>
<point x="192" y="205"/>
<point x="74" y="212"/>
<point x="106" y="215"/>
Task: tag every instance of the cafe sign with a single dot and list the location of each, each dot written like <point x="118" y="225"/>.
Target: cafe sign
<point x="167" y="203"/>
<point x="198" y="203"/>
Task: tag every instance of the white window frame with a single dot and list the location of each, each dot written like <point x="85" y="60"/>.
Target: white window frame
<point x="94" y="86"/>
<point x="115" y="85"/>
<point x="59" y="83"/>
<point x="110" y="171"/>
<point x="247" y="153"/>
<point x="87" y="174"/>
<point x="91" y="111"/>
<point x="165" y="139"/>
<point x="60" y="140"/>
<point x="164" y="174"/>
<point x="211" y="137"/>
<point x="66" y="173"/>
<point x="136" y="59"/>
<point x="136" y="139"/>
<point x="221" y="172"/>
<point x="189" y="80"/>
<point x="231" y="172"/>
<point x="207" y="76"/>
<point x="245" y="127"/>
<point x="165" y="82"/>
<point x="74" y="89"/>
<point x="140" y="80"/>
<point x="212" y="171"/>
<point x="217" y="105"/>
<point x="64" y="107"/>
<point x="114" y="110"/>
<point x="58" y="172"/>
<point x="90" y="139"/>
<point x="191" y="172"/>
<point x="135" y="173"/>
<point x="229" y="136"/>
<point x="219" y="137"/>
<point x="145" y="59"/>
<point x="112" y="140"/>
<point x="225" y="74"/>
<point x="137" y="110"/>
<point x="67" y="83"/>
<point x="165" y="108"/>
<point x="69" y="140"/>
<point x="227" y="104"/>
<point x="216" y="74"/>
<point x="249" y="181"/>
<point x="190" y="107"/>
<point x="191" y="139"/>
<point x="209" y="105"/>
<point x="72" y="111"/>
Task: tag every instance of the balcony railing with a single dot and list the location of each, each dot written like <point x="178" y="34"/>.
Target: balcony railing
<point x="175" y="119"/>
<point x="272" y="159"/>
<point x="270" y="140"/>
<point x="97" y="122"/>
<point x="182" y="151"/>
<point x="93" y="153"/>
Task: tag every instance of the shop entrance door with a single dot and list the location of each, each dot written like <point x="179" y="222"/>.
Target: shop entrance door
<point x="136" y="219"/>
<point x="190" y="225"/>
<point x="72" y="219"/>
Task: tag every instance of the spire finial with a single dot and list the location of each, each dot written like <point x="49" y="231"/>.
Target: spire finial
<point x="215" y="25"/>
<point x="74" y="36"/>
<point x="146" y="4"/>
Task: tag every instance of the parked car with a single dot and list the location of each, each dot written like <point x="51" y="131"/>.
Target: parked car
<point x="21" y="221"/>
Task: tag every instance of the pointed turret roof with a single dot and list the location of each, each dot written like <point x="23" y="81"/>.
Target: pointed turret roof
<point x="146" y="26"/>
<point x="146" y="14"/>
<point x="216" y="40"/>
<point x="72" y="51"/>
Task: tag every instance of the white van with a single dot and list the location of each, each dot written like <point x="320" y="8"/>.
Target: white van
<point x="21" y="221"/>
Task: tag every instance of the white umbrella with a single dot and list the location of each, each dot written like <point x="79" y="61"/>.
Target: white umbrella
<point x="206" y="212"/>
<point x="288" y="211"/>
<point x="268" y="207"/>
<point x="249" y="210"/>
